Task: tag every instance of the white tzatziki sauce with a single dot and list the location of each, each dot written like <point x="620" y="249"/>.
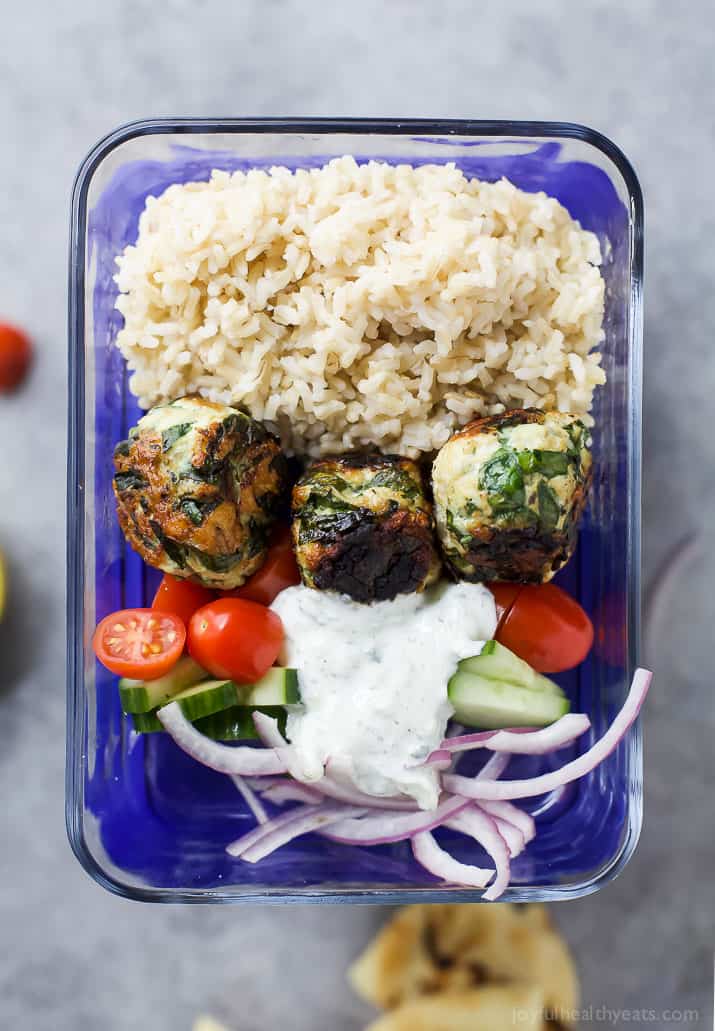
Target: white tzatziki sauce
<point x="373" y="680"/>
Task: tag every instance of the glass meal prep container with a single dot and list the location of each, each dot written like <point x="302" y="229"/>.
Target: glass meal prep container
<point x="144" y="819"/>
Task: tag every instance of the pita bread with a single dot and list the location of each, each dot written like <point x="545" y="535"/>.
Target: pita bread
<point x="426" y="950"/>
<point x="492" y="1008"/>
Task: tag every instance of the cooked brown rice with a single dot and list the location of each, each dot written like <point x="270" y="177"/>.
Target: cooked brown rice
<point x="362" y="305"/>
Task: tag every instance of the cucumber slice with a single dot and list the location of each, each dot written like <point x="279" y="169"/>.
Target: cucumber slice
<point x="495" y="662"/>
<point x="147" y="723"/>
<point x="493" y="704"/>
<point x="145" y="695"/>
<point x="236" y="723"/>
<point x="278" y="686"/>
<point x="211" y="698"/>
<point x="232" y="724"/>
<point x="196" y="701"/>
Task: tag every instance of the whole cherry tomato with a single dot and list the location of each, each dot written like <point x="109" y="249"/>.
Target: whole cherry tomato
<point x="182" y="597"/>
<point x="235" y="639"/>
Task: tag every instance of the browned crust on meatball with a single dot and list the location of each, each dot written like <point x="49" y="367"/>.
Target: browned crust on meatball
<point x="369" y="541"/>
<point x="227" y="515"/>
<point x="375" y="560"/>
<point x="514" y="417"/>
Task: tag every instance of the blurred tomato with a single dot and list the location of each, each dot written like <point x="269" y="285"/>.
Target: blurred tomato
<point x="15" y="356"/>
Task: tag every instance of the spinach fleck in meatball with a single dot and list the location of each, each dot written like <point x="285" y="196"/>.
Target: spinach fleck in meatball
<point x="197" y="486"/>
<point x="509" y="491"/>
<point x="363" y="526"/>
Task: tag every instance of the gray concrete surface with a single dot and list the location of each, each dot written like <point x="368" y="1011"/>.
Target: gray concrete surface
<point x="73" y="957"/>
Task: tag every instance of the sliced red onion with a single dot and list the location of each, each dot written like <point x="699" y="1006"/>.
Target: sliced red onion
<point x="252" y="801"/>
<point x="336" y="784"/>
<point x="271" y="737"/>
<point x="515" y="841"/>
<point x="523" y="742"/>
<point x="501" y="790"/>
<point x="351" y="796"/>
<point x="223" y="758"/>
<point x="540" y="742"/>
<point x="315" y="819"/>
<point x="509" y="813"/>
<point x="494" y="767"/>
<point x="440" y="759"/>
<point x="246" y="841"/>
<point x="381" y="828"/>
<point x="268" y="732"/>
<point x="260" y="783"/>
<point x="438" y="862"/>
<point x="292" y="791"/>
<point x="480" y="826"/>
<point x="478" y="739"/>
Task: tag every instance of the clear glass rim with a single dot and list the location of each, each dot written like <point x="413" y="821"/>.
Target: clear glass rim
<point x="74" y="766"/>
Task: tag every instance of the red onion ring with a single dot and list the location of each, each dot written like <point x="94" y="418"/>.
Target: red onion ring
<point x="268" y="732"/>
<point x="292" y="791"/>
<point x="382" y="828"/>
<point x="305" y="822"/>
<point x="522" y="741"/>
<point x="440" y="759"/>
<point x="238" y="847"/>
<point x="438" y="862"/>
<point x="335" y="784"/>
<point x="494" y="767"/>
<point x="494" y="790"/>
<point x="509" y="813"/>
<point x="252" y="801"/>
<point x="515" y="840"/>
<point x="222" y="758"/>
<point x="477" y="824"/>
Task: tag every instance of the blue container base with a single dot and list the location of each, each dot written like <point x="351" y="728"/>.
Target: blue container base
<point x="162" y="822"/>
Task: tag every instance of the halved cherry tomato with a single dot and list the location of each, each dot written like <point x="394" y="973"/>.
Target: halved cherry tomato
<point x="235" y="639"/>
<point x="15" y="356"/>
<point x="181" y="597"/>
<point x="280" y="570"/>
<point x="139" y="643"/>
<point x="543" y="625"/>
